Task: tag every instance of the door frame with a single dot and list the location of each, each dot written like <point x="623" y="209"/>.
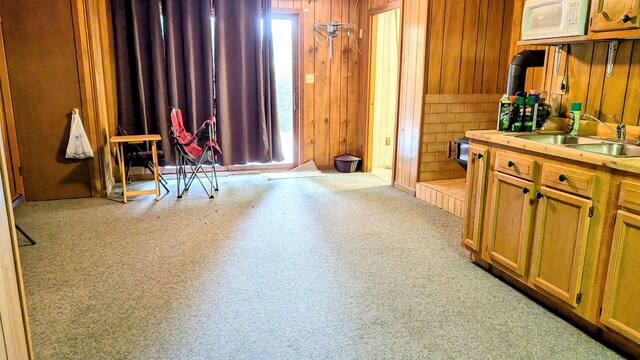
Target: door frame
<point x="370" y="85"/>
<point x="296" y="16"/>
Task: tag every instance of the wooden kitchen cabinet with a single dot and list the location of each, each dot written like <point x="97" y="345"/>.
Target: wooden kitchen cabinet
<point x="559" y="245"/>
<point x="563" y="227"/>
<point x="512" y="210"/>
<point x="614" y="15"/>
<point x="620" y="309"/>
<point x="476" y="193"/>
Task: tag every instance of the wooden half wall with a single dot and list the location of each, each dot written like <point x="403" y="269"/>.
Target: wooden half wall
<point x="460" y="68"/>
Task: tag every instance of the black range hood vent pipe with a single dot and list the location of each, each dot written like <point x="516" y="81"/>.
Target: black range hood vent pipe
<point x="518" y="69"/>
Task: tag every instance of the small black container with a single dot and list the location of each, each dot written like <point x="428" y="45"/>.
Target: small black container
<point x="346" y="163"/>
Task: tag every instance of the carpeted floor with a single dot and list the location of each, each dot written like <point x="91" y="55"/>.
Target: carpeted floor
<point x="334" y="267"/>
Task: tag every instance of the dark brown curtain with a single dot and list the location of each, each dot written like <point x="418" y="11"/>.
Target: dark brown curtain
<point x="164" y="58"/>
<point x="245" y="82"/>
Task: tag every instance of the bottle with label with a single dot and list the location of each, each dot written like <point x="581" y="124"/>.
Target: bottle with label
<point x="516" y="124"/>
<point x="503" y="113"/>
<point x="527" y="121"/>
<point x="574" y="118"/>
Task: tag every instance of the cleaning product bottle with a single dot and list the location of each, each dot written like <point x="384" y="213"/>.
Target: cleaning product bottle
<point x="527" y="122"/>
<point x="574" y="118"/>
<point x="516" y="125"/>
<point x="536" y="99"/>
<point x="503" y="113"/>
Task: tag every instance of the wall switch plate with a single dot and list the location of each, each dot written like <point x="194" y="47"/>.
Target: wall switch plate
<point x="310" y="78"/>
<point x="361" y="33"/>
<point x="387" y="141"/>
<point x="560" y="87"/>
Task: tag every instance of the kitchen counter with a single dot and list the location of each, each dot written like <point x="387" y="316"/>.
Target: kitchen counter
<point x="508" y="139"/>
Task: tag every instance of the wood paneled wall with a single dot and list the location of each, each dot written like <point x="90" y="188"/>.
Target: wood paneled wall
<point x="584" y="66"/>
<point x="330" y="115"/>
<point x="415" y="16"/>
<point x="469" y="42"/>
<point x="468" y="46"/>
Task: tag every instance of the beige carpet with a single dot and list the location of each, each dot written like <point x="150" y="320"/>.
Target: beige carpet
<point x="336" y="267"/>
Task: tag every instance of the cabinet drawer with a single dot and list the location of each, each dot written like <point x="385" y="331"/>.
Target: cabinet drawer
<point x="519" y="166"/>
<point x="630" y="195"/>
<point x="579" y="182"/>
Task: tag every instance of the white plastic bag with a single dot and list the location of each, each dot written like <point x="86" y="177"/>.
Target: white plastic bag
<point x="79" y="146"/>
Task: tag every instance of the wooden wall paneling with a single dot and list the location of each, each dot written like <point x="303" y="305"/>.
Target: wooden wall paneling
<point x="322" y="90"/>
<point x="631" y="111"/>
<point x="615" y="88"/>
<point x="469" y="46"/>
<point x="483" y="14"/>
<point x="436" y="46"/>
<point x="418" y="98"/>
<point x="410" y="117"/>
<point x="9" y="135"/>
<point x="15" y="332"/>
<point x="452" y="49"/>
<point x="86" y="72"/>
<point x="109" y="68"/>
<point x="580" y="57"/>
<point x="308" y="90"/>
<point x="335" y="82"/>
<point x="596" y="76"/>
<point x="494" y="31"/>
<point x="400" y="162"/>
<point x="355" y="103"/>
<point x="516" y="27"/>
<point x="101" y="85"/>
<point x="548" y="69"/>
<point x="403" y="156"/>
<point x="505" y="45"/>
<point x="344" y="79"/>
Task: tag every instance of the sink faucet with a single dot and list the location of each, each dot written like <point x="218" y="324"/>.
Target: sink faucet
<point x="621" y="128"/>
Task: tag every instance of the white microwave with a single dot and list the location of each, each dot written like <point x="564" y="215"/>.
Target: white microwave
<point x="543" y="19"/>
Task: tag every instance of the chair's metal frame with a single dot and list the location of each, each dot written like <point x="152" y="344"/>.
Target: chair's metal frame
<point x="196" y="165"/>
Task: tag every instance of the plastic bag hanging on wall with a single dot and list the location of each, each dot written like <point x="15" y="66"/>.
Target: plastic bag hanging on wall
<point x="79" y="146"/>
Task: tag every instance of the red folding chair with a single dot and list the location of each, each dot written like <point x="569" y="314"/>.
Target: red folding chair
<point x="195" y="156"/>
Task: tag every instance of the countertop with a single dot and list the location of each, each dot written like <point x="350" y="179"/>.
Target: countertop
<point x="509" y="139"/>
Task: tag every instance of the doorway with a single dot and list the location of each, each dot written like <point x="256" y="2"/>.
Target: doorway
<point x="284" y="27"/>
<point x="383" y="91"/>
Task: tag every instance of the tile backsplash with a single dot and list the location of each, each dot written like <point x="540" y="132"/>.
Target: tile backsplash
<point x="446" y="118"/>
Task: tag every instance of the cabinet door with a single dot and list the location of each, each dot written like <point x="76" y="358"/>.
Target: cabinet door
<point x="612" y="15"/>
<point x="620" y="309"/>
<point x="42" y="103"/>
<point x="511" y="220"/>
<point x="476" y="192"/>
<point x="562" y="229"/>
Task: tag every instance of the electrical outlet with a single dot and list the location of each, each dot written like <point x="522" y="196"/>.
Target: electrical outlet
<point x="560" y="87"/>
<point x="387" y="141"/>
<point x="310" y="78"/>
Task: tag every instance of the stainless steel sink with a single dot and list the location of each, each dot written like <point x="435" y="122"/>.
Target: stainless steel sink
<point x="618" y="150"/>
<point x="558" y="139"/>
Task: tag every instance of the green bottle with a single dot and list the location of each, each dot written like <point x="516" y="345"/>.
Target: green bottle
<point x="516" y="126"/>
<point x="527" y="122"/>
<point x="574" y="118"/>
<point x="503" y="113"/>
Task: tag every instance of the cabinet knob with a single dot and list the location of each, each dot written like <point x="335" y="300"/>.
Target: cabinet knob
<point x="626" y="19"/>
<point x="510" y="164"/>
<point x="525" y="190"/>
<point x="562" y="178"/>
<point x="479" y="156"/>
<point x="539" y="195"/>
